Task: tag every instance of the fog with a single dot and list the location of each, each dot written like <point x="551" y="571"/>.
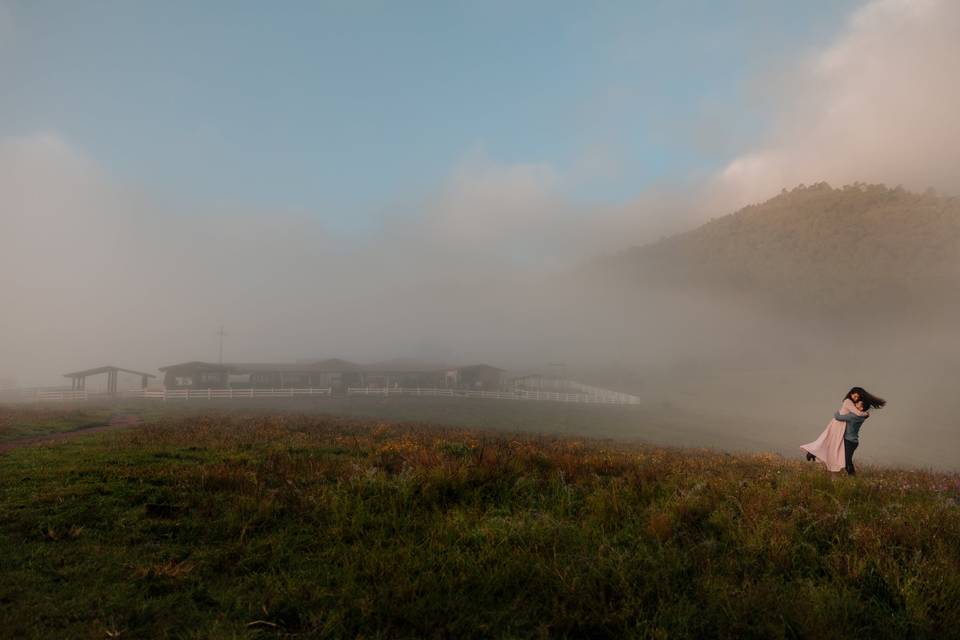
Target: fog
<point x="877" y="105"/>
<point x="486" y="266"/>
<point x="485" y="270"/>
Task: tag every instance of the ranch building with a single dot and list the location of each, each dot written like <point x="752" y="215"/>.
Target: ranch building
<point x="334" y="373"/>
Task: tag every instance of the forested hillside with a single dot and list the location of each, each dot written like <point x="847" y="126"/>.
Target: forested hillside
<point x="816" y="248"/>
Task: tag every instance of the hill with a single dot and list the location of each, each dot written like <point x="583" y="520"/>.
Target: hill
<point x="252" y="525"/>
<point x="815" y="248"/>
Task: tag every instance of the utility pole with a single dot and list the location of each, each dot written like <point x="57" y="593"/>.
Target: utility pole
<point x="221" y="334"/>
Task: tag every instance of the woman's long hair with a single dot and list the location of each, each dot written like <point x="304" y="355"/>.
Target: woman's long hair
<point x="869" y="400"/>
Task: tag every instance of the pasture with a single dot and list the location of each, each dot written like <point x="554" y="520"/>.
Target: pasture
<point x="255" y="524"/>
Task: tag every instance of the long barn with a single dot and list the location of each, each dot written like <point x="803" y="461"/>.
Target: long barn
<point x="334" y="373"/>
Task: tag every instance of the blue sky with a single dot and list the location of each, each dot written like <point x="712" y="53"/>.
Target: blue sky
<point x="345" y="109"/>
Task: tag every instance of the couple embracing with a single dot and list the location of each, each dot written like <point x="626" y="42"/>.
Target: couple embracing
<point x="839" y="440"/>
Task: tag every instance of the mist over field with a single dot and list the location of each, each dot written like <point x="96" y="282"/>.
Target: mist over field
<point x="498" y="264"/>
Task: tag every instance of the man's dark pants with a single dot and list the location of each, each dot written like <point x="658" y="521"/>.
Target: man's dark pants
<point x="848" y="449"/>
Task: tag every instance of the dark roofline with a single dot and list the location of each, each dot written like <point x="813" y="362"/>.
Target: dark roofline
<point x="194" y="363"/>
<point x="331" y="365"/>
<point x="265" y="367"/>
<point x="479" y="366"/>
<point x="98" y="370"/>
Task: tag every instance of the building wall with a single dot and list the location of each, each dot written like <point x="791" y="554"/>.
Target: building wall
<point x="204" y="377"/>
<point x="484" y="378"/>
<point x="194" y="378"/>
<point x="406" y="379"/>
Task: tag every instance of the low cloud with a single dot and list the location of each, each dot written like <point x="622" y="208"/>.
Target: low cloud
<point x="879" y="104"/>
<point x="95" y="271"/>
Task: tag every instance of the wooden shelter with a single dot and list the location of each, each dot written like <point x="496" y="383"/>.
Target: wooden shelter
<point x="79" y="378"/>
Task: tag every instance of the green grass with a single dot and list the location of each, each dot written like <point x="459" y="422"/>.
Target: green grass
<point x="28" y="421"/>
<point x="232" y="525"/>
<point x="656" y="422"/>
<point x="25" y="422"/>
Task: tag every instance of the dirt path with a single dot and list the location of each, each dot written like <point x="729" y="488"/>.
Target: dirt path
<point x="119" y="421"/>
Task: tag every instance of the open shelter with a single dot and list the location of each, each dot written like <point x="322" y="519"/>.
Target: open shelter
<point x="79" y="378"/>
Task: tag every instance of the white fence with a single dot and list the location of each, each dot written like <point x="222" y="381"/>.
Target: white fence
<point x="609" y="397"/>
<point x="612" y="396"/>
<point x="164" y="394"/>
<point x="59" y="396"/>
<point x="586" y="395"/>
<point x="220" y="394"/>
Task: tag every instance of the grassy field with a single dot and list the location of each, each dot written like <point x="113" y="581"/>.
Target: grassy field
<point x="890" y="438"/>
<point x="230" y="525"/>
<point x="28" y="421"/>
<point x="661" y="422"/>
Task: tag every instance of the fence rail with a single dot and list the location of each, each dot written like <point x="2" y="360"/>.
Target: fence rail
<point x="585" y="395"/>
<point x="609" y="397"/>
<point x="219" y="394"/>
<point x="60" y="396"/>
<point x="607" y="394"/>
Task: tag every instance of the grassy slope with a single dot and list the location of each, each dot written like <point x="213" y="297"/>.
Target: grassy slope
<point x="232" y="526"/>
